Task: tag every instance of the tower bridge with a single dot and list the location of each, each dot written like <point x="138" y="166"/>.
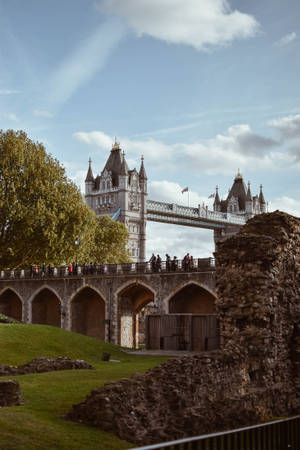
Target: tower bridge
<point x="108" y="305"/>
<point x="122" y="194"/>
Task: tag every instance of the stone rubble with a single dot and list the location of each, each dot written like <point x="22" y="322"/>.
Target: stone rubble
<point x="10" y="393"/>
<point x="256" y="374"/>
<point x="43" y="364"/>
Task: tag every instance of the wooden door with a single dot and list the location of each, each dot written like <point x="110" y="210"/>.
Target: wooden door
<point x="153" y="332"/>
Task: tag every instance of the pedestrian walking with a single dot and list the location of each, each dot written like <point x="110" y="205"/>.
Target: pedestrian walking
<point x="158" y="263"/>
<point x="152" y="262"/>
<point x="174" y="264"/>
<point x="168" y="262"/>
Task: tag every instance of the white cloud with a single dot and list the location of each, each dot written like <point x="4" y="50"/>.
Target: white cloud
<point x="84" y="62"/>
<point x="95" y="139"/>
<point x="178" y="240"/>
<point x="154" y="151"/>
<point x="42" y="113"/>
<point x="286" y="40"/>
<point x="288" y="127"/>
<point x="8" y="91"/>
<point x="239" y="147"/>
<point x="11" y="116"/>
<point x="199" y="23"/>
<point x="171" y="192"/>
<point x="286" y="204"/>
<point x="78" y="178"/>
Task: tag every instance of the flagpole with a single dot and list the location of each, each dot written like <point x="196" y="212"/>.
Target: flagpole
<point x="188" y="198"/>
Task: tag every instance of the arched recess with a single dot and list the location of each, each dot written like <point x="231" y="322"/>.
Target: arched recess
<point x="46" y="308"/>
<point x="132" y="303"/>
<point x="192" y="299"/>
<point x="88" y="313"/>
<point x="11" y="304"/>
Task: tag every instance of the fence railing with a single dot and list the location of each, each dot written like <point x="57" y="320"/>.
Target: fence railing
<point x="198" y="264"/>
<point x="281" y="434"/>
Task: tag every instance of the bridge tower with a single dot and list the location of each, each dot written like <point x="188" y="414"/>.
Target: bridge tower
<point x="239" y="201"/>
<point x="122" y="194"/>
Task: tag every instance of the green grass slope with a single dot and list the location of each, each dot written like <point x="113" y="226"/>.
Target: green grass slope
<point x="20" y="343"/>
<point x="39" y="424"/>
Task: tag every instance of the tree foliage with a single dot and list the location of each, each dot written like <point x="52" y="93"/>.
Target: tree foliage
<point x="41" y="210"/>
<point x="110" y="242"/>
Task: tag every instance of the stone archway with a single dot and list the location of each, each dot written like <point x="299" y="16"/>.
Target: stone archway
<point x="11" y="305"/>
<point x="46" y="308"/>
<point x="131" y="302"/>
<point x="192" y="299"/>
<point x="88" y="313"/>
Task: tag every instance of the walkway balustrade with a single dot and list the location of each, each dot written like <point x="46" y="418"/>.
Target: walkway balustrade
<point x="199" y="264"/>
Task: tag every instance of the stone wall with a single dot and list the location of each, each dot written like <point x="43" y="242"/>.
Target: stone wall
<point x="10" y="393"/>
<point x="258" y="285"/>
<point x="43" y="364"/>
<point x="256" y="375"/>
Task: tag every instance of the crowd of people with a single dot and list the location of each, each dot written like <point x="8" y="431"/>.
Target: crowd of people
<point x="171" y="264"/>
<point x="72" y="269"/>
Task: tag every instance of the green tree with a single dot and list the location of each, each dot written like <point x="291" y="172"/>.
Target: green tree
<point x="111" y="242"/>
<point x="41" y="210"/>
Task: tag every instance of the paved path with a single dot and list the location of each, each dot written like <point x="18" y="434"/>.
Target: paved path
<point x="177" y="353"/>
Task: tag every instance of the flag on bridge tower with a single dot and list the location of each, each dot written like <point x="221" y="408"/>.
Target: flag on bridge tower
<point x="211" y="196"/>
<point x="186" y="189"/>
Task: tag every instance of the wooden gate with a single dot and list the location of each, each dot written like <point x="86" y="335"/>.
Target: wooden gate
<point x="194" y="332"/>
<point x="153" y="332"/>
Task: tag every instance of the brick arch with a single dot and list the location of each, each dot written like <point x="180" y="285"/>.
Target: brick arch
<point x="97" y="290"/>
<point x="87" y="312"/>
<point x="46" y="306"/>
<point x="11" y="303"/>
<point x="130" y="283"/>
<point x="132" y="297"/>
<point x="191" y="297"/>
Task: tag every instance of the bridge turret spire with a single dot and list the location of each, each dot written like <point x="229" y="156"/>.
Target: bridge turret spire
<point x="142" y="172"/>
<point x="89" y="175"/>
<point x="262" y="201"/>
<point x="217" y="202"/>
<point x="116" y="145"/>
<point x="124" y="168"/>
<point x="239" y="176"/>
<point x="249" y="195"/>
<point x="249" y="201"/>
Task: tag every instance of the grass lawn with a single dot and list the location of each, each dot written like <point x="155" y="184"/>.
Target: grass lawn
<point x="48" y="396"/>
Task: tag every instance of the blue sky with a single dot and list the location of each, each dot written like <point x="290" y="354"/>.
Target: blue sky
<point x="199" y="87"/>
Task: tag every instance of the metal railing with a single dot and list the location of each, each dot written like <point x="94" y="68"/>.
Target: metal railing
<point x="198" y="265"/>
<point x="281" y="434"/>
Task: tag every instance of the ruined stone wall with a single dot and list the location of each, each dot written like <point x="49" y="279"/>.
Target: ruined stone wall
<point x="256" y="375"/>
<point x="43" y="364"/>
<point x="10" y="393"/>
<point x="258" y="285"/>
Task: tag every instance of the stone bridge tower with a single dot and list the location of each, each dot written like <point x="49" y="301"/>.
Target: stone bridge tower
<point x="239" y="201"/>
<point x="121" y="193"/>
